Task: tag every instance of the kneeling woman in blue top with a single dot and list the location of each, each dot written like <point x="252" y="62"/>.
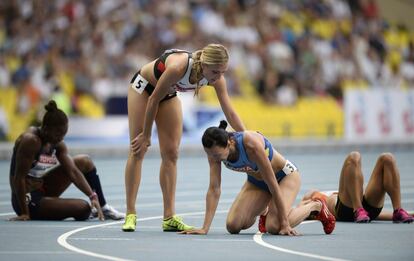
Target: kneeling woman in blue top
<point x="271" y="188"/>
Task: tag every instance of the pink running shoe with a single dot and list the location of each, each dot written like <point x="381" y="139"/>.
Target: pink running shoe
<point x="361" y="216"/>
<point x="401" y="216"/>
<point x="327" y="219"/>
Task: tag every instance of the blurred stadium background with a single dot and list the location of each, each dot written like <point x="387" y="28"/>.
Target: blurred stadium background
<point x="301" y="71"/>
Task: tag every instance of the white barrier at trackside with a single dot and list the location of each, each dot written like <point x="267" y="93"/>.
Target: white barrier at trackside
<point x="379" y="115"/>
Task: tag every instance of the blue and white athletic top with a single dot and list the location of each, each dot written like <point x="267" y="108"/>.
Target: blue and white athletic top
<point x="243" y="164"/>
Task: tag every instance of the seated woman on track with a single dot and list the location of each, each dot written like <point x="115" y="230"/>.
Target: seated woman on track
<point x="351" y="203"/>
<point x="41" y="170"/>
<point x="271" y="181"/>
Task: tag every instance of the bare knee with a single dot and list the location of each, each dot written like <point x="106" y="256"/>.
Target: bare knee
<point x="83" y="211"/>
<point x="387" y="158"/>
<point x="233" y="227"/>
<point x="170" y="155"/>
<point x="353" y="158"/>
<point x="84" y="163"/>
<point x="273" y="229"/>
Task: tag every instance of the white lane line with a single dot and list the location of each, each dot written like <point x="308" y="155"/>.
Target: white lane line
<point x="62" y="240"/>
<point x="259" y="240"/>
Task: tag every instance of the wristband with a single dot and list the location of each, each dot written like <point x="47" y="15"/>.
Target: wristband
<point x="93" y="196"/>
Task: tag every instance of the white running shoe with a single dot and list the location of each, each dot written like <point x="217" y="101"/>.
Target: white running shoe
<point x="109" y="213"/>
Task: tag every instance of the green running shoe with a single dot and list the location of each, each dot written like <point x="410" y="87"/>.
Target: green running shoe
<point x="130" y="223"/>
<point x="175" y="224"/>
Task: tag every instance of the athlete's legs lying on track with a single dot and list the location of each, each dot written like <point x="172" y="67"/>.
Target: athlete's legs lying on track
<point x="302" y="211"/>
<point x="249" y="203"/>
<point x="385" y="178"/>
<point x="137" y="104"/>
<point x="351" y="181"/>
<point x="169" y="126"/>
<point x="387" y="215"/>
<point x="330" y="200"/>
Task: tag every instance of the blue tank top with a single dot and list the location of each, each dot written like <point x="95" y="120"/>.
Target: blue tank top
<point x="243" y="163"/>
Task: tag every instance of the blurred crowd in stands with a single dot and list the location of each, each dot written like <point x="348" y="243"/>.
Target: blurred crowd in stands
<point x="84" y="52"/>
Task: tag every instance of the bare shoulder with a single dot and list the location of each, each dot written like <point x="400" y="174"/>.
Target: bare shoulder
<point x="61" y="148"/>
<point x="177" y="62"/>
<point x="29" y="138"/>
<point x="252" y="140"/>
<point x="28" y="143"/>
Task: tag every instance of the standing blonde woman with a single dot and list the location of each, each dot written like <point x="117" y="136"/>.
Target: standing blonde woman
<point x="152" y="96"/>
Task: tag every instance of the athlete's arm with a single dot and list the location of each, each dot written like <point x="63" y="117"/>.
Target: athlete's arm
<point x="175" y="67"/>
<point x="254" y="145"/>
<point x="76" y="176"/>
<point x="228" y="110"/>
<point x="212" y="197"/>
<point x="25" y="154"/>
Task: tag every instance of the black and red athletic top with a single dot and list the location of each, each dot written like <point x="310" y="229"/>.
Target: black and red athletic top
<point x="183" y="85"/>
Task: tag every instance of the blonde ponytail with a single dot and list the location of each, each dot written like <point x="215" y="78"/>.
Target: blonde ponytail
<point x="198" y="71"/>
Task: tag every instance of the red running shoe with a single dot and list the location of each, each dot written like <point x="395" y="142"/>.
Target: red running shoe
<point x="262" y="223"/>
<point x="327" y="219"/>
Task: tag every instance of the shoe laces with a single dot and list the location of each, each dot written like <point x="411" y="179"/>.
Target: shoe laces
<point x="178" y="222"/>
<point x="130" y="218"/>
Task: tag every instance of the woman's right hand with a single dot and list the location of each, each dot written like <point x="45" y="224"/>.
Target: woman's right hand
<point x="140" y="144"/>
<point x="194" y="232"/>
<point x="95" y="204"/>
<point x="288" y="231"/>
<point x="20" y="218"/>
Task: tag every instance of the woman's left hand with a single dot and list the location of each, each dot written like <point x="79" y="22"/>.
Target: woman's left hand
<point x="140" y="144"/>
<point x="95" y="204"/>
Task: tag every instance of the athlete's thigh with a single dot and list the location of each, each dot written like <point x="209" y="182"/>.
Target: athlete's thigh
<point x="342" y="191"/>
<point x="289" y="188"/>
<point x="375" y="192"/>
<point x="249" y="203"/>
<point x="60" y="208"/>
<point x="137" y="105"/>
<point x="55" y="182"/>
<point x="169" y="122"/>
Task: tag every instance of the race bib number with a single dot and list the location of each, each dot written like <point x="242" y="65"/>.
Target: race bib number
<point x="139" y="84"/>
<point x="289" y="167"/>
